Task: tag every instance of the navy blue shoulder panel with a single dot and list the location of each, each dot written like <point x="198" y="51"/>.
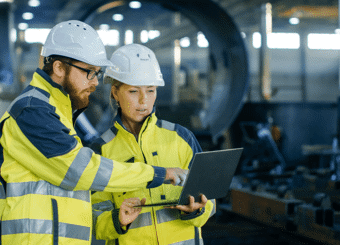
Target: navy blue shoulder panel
<point x="40" y="123"/>
<point x="30" y="97"/>
<point x="183" y="132"/>
<point x="189" y="137"/>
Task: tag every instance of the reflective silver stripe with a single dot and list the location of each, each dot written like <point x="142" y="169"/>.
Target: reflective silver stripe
<point x="103" y="206"/>
<point x="42" y="187"/>
<point x="188" y="242"/>
<point x="103" y="174"/>
<point x="143" y="219"/>
<point x="34" y="93"/>
<point x="108" y="136"/>
<point x="37" y="226"/>
<point x="2" y="192"/>
<point x="213" y="211"/>
<point x="77" y="168"/>
<point x="166" y="215"/>
<point x="168" y="125"/>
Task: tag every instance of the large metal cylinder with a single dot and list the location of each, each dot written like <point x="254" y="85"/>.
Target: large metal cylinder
<point x="227" y="53"/>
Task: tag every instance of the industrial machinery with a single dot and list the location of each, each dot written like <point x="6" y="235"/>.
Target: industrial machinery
<point x="300" y="200"/>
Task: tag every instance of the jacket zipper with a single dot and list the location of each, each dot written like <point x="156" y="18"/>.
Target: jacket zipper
<point x="152" y="209"/>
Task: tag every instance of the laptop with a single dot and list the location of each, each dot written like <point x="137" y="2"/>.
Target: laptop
<point x="210" y="174"/>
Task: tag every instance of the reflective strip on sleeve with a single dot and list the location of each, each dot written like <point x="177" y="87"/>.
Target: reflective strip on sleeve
<point x="213" y="211"/>
<point x="2" y="192"/>
<point x="34" y="93"/>
<point x="108" y="136"/>
<point x="44" y="188"/>
<point x="166" y="215"/>
<point x="143" y="219"/>
<point x="37" y="226"/>
<point x="103" y="206"/>
<point x="77" y="168"/>
<point x="103" y="174"/>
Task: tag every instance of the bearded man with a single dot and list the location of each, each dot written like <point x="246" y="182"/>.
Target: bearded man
<point x="48" y="172"/>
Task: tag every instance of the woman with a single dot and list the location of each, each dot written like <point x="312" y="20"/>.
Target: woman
<point x="138" y="135"/>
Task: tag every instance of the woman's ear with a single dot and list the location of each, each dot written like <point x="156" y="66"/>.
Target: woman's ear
<point x="114" y="92"/>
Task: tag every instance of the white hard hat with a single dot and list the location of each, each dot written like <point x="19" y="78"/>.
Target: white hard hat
<point x="77" y="40"/>
<point x="136" y="65"/>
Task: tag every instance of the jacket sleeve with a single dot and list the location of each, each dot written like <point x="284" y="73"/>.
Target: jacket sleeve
<point x="36" y="138"/>
<point x="200" y="217"/>
<point x="105" y="217"/>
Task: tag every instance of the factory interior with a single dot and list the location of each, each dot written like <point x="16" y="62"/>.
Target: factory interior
<point x="257" y="74"/>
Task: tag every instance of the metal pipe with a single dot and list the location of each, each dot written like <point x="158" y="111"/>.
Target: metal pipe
<point x="266" y="29"/>
<point x="303" y="76"/>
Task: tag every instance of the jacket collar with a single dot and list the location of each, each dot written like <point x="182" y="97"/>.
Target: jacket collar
<point x="66" y="99"/>
<point x="118" y="118"/>
<point x="48" y="79"/>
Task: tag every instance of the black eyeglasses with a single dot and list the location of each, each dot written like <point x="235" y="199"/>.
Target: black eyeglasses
<point x="90" y="73"/>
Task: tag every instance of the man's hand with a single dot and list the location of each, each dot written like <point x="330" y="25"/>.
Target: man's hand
<point x="127" y="212"/>
<point x="192" y="206"/>
<point x="175" y="176"/>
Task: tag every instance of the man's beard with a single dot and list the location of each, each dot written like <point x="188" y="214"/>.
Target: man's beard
<point x="77" y="101"/>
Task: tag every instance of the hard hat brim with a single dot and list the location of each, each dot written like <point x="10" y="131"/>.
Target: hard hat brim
<point x="103" y="62"/>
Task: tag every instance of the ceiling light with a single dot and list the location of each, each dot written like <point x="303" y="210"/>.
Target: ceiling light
<point x="23" y="26"/>
<point x="185" y="42"/>
<point x="202" y="42"/>
<point x="294" y="21"/>
<point x="13" y="35"/>
<point x="135" y="5"/>
<point x="117" y="17"/>
<point x="104" y="27"/>
<point x="154" y="33"/>
<point x="128" y="37"/>
<point x="27" y="16"/>
<point x="144" y="36"/>
<point x="33" y="3"/>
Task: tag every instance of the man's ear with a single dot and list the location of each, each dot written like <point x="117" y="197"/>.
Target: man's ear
<point x="58" y="69"/>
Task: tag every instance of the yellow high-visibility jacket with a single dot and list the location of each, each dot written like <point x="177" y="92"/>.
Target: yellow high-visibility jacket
<point x="49" y="173"/>
<point x="160" y="143"/>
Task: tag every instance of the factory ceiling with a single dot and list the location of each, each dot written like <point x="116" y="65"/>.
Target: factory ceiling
<point x="227" y="52"/>
<point x="246" y="13"/>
